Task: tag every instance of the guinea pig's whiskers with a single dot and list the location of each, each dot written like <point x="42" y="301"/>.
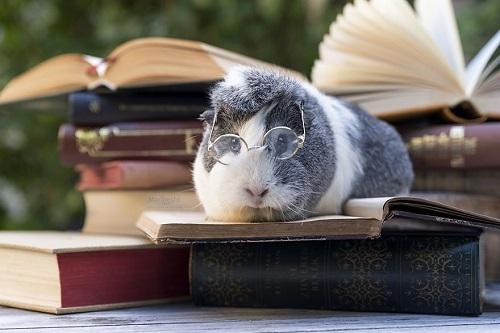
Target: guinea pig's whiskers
<point x="303" y="209"/>
<point x="280" y="210"/>
<point x="296" y="212"/>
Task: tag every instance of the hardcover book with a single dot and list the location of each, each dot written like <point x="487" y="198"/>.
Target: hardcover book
<point x="480" y="181"/>
<point x="63" y="272"/>
<point x="167" y="140"/>
<point x="365" y="218"/>
<point x="120" y="175"/>
<point x="399" y="62"/>
<point x="141" y="62"/>
<point x="471" y="146"/>
<point x="116" y="212"/>
<point x="434" y="274"/>
<point x="93" y="109"/>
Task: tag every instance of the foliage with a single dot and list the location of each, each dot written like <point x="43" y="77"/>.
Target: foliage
<point x="35" y="190"/>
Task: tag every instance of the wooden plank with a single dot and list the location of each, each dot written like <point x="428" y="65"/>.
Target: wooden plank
<point x="185" y="317"/>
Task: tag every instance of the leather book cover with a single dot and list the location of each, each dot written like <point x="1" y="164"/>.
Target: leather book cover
<point x="169" y="140"/>
<point x="117" y="175"/>
<point x="92" y="109"/>
<point x="432" y="274"/>
<point x="476" y="181"/>
<point x="453" y="146"/>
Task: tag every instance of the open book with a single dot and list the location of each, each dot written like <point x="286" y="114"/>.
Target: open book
<point x="366" y="218"/>
<point x="398" y="62"/>
<point x="137" y="63"/>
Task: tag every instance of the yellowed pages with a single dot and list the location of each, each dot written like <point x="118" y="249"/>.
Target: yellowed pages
<point x="61" y="242"/>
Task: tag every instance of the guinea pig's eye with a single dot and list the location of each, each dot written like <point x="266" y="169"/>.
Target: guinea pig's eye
<point x="234" y="145"/>
<point x="282" y="141"/>
<point x="226" y="147"/>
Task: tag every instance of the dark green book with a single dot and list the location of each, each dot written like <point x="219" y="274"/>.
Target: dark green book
<point x="433" y="274"/>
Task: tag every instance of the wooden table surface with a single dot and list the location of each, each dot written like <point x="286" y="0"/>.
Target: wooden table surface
<point x="188" y="318"/>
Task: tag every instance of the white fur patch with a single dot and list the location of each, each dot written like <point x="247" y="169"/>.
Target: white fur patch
<point x="236" y="77"/>
<point x="349" y="162"/>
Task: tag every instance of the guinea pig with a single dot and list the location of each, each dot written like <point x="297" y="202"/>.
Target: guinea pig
<point x="276" y="149"/>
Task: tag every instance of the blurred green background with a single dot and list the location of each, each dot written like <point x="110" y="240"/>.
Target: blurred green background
<point x="35" y="190"/>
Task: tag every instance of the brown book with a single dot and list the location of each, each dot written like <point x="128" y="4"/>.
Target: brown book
<point x="63" y="272"/>
<point x="116" y="212"/>
<point x="365" y="219"/>
<point x="405" y="62"/>
<point x="141" y="62"/>
<point x="469" y="146"/>
<point x="119" y="175"/>
<point x="171" y="141"/>
<point x="480" y="181"/>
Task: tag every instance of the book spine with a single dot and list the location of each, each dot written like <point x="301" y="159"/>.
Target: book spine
<point x="484" y="181"/>
<point x="133" y="175"/>
<point x="164" y="141"/>
<point x="412" y="274"/>
<point x="453" y="146"/>
<point x="92" y="109"/>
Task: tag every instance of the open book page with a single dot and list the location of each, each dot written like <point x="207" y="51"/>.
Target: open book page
<point x="416" y="208"/>
<point x="382" y="42"/>
<point x="476" y="69"/>
<point x="483" y="75"/>
<point x="61" y="74"/>
<point x="438" y="18"/>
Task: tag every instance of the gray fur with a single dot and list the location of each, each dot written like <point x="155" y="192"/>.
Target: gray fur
<point x="387" y="168"/>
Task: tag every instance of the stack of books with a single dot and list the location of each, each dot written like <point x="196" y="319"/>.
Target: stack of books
<point x="133" y="152"/>
<point x="132" y="134"/>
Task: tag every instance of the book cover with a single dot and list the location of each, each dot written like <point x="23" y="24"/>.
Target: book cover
<point x="471" y="146"/>
<point x="93" y="109"/>
<point x="120" y="175"/>
<point x="432" y="274"/>
<point x="63" y="272"/>
<point x="167" y="140"/>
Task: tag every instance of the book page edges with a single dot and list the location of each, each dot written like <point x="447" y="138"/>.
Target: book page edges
<point x="54" y="242"/>
<point x="163" y="227"/>
<point x="225" y="60"/>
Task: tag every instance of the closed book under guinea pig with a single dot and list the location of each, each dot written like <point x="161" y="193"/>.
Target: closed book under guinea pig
<point x="275" y="148"/>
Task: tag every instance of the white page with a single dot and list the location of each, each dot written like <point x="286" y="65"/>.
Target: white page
<point x="478" y="63"/>
<point x="438" y="18"/>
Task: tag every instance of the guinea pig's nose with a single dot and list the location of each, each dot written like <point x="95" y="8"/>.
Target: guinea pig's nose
<point x="258" y="192"/>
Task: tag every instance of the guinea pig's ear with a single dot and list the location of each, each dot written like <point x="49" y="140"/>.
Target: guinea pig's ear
<point x="207" y="117"/>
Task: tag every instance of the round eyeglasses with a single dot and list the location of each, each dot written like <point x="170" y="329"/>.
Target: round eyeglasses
<point x="281" y="142"/>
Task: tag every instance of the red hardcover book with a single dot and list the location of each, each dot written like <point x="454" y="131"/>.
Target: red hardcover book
<point x="62" y="272"/>
<point x="132" y="175"/>
<point x="169" y="140"/>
